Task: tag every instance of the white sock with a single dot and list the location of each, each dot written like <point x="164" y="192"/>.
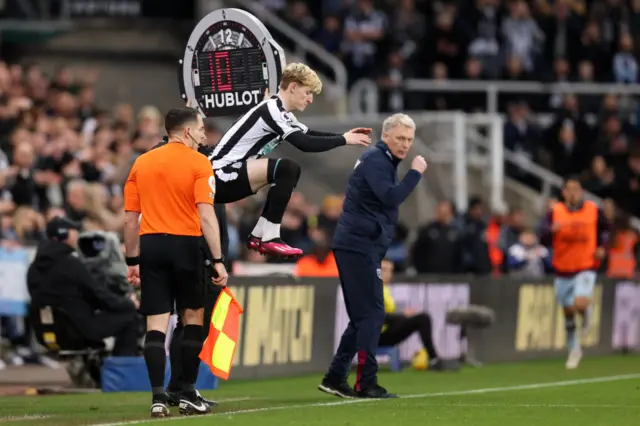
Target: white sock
<point x="271" y="231"/>
<point x="259" y="228"/>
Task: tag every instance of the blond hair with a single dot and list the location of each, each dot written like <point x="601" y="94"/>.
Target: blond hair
<point x="302" y="75"/>
<point x="398" y="120"/>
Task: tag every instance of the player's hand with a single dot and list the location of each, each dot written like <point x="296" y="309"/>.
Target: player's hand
<point x="220" y="275"/>
<point x="363" y="130"/>
<point x="267" y="94"/>
<point x="419" y="164"/>
<point x="557" y="225"/>
<point x="133" y="275"/>
<point x="600" y="253"/>
<point x="357" y="138"/>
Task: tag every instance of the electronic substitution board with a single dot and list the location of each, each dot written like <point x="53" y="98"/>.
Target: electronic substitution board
<point x="229" y="61"/>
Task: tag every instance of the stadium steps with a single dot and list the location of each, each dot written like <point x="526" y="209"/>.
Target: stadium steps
<point x="136" y="65"/>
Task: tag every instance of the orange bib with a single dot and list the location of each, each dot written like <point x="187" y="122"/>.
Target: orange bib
<point x="575" y="243"/>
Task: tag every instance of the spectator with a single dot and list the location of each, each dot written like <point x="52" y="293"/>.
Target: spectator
<point x="484" y="23"/>
<point x="364" y="31"/>
<point x="591" y="47"/>
<point x="299" y="17"/>
<point x="392" y="95"/>
<point x="625" y="65"/>
<point x="437" y="248"/>
<point x="570" y="155"/>
<point x="512" y="228"/>
<point x="408" y="28"/>
<point x="448" y="44"/>
<point x="522" y="35"/>
<point x="523" y="137"/>
<point x="562" y="30"/>
<point x="320" y="262"/>
<point x="330" y="35"/>
<point x="474" y="102"/>
<point x="527" y="258"/>
<point x="622" y="255"/>
<point x="475" y="248"/>
<point x="600" y="178"/>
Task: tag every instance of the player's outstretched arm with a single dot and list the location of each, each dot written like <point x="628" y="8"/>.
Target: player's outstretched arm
<point x="363" y="130"/>
<point x="308" y="143"/>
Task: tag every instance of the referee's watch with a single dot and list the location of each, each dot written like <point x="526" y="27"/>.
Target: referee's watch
<point x="217" y="260"/>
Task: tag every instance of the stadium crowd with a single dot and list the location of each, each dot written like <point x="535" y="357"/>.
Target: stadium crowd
<point x="62" y="153"/>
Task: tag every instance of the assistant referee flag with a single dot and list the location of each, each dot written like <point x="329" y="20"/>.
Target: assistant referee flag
<point x="220" y="346"/>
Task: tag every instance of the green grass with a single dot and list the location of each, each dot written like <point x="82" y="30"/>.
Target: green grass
<point x="437" y="399"/>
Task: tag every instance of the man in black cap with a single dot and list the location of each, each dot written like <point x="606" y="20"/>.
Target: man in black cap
<point x="58" y="278"/>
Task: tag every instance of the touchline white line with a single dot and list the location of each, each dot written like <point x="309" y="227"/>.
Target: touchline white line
<point x="532" y="386"/>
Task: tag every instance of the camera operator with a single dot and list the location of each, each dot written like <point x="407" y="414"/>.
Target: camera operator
<point x="58" y="278"/>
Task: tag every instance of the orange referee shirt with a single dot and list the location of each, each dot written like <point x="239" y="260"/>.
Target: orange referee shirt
<point x="165" y="185"/>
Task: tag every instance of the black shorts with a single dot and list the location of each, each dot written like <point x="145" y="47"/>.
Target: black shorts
<point x="170" y="273"/>
<point x="232" y="183"/>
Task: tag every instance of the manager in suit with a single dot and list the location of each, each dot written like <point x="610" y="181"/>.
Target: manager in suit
<point x="363" y="235"/>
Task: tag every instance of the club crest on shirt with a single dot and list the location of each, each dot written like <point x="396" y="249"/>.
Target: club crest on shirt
<point x="379" y="273"/>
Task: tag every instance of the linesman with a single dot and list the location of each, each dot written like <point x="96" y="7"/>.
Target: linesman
<point x="169" y="199"/>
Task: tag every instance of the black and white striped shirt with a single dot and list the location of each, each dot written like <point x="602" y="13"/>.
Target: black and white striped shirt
<point x="256" y="133"/>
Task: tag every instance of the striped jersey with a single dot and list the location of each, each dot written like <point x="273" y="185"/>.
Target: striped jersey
<point x="256" y="133"/>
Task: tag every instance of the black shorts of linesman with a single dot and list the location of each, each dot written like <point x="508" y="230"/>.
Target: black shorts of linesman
<point x="169" y="199"/>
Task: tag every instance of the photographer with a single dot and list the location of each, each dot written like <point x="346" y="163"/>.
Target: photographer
<point x="58" y="278"/>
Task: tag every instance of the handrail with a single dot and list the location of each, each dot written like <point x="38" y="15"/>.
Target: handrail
<point x="547" y="177"/>
<point x="303" y="43"/>
<point x="493" y="87"/>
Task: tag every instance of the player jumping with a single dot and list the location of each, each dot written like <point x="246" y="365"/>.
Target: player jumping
<point x="240" y="171"/>
<point x="577" y="230"/>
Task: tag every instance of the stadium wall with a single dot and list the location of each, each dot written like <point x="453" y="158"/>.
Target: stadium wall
<point x="292" y="326"/>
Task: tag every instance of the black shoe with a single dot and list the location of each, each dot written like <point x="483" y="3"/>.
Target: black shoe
<point x="340" y="389"/>
<point x="192" y="405"/>
<point x="173" y="398"/>
<point x="437" y="365"/>
<point x="159" y="406"/>
<point x="376" y="391"/>
<point x="205" y="401"/>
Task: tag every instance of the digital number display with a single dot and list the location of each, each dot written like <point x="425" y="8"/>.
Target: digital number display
<point x="231" y="70"/>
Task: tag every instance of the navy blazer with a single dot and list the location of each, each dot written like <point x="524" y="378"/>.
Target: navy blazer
<point x="372" y="202"/>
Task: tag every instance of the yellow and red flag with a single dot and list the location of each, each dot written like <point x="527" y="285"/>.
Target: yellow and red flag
<point x="220" y="346"/>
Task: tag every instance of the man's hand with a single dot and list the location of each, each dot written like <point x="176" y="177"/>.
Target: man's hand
<point x="363" y="130"/>
<point x="354" y="138"/>
<point x="419" y="164"/>
<point x="600" y="253"/>
<point x="133" y="275"/>
<point x="267" y="94"/>
<point x="409" y="312"/>
<point x="220" y="274"/>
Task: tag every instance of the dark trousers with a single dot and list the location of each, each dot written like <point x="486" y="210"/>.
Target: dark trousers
<point x="400" y="327"/>
<point x="124" y="326"/>
<point x="211" y="295"/>
<point x="363" y="297"/>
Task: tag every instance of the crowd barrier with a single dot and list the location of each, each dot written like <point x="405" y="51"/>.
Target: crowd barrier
<point x="292" y="326"/>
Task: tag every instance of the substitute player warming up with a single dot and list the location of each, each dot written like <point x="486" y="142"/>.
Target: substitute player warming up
<point x="577" y="232"/>
<point x="240" y="171"/>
